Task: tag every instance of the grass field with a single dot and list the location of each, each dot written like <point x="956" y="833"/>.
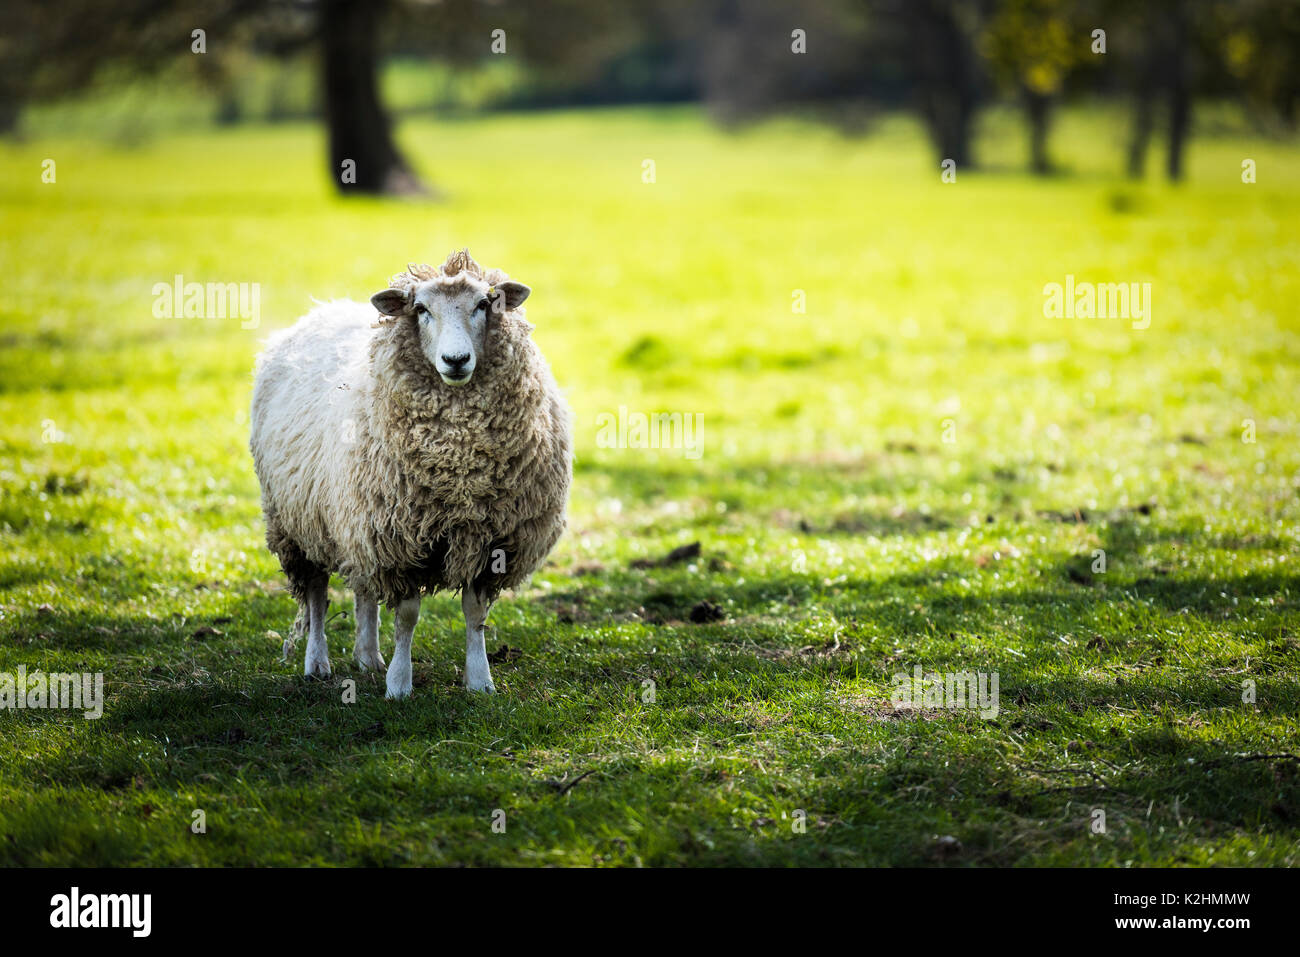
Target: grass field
<point x="918" y="470"/>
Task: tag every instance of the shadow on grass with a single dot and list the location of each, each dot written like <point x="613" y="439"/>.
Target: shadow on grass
<point x="220" y="712"/>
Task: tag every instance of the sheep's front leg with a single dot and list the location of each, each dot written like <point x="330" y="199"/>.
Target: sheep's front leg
<point x="478" y="677"/>
<point x="366" y="649"/>
<point x="399" y="671"/>
<point x="317" y="663"/>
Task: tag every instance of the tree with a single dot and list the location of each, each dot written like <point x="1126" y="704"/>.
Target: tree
<point x="363" y="156"/>
<point x="1164" y="68"/>
<point x="845" y="58"/>
<point x="946" y="71"/>
<point x="1256" y="43"/>
<point x="1033" y="45"/>
<point x="47" y="54"/>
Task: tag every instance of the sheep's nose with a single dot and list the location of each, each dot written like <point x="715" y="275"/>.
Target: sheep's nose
<point x="455" y="363"/>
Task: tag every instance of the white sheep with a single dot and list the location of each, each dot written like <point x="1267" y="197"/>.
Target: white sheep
<point x="420" y="448"/>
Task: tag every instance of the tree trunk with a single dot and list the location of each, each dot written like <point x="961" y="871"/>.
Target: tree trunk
<point x="1143" y="122"/>
<point x="10" y="109"/>
<point x="945" y="75"/>
<point x="363" y="155"/>
<point x="1180" y="101"/>
<point x="1149" y="80"/>
<point x="1038" y="108"/>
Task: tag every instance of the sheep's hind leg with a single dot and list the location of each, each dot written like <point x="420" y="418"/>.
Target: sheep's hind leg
<point x="366" y="649"/>
<point x="317" y="663"/>
<point x="399" y="670"/>
<point x="478" y="676"/>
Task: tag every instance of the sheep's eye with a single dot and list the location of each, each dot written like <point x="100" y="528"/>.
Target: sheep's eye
<point x="420" y="309"/>
<point x="483" y="304"/>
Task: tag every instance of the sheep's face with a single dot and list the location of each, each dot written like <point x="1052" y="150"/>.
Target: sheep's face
<point x="453" y="317"/>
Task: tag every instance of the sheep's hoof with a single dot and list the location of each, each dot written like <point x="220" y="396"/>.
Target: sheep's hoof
<point x="370" y="662"/>
<point x="317" y="669"/>
<point x="486" y="688"/>
<point x="399" y="680"/>
<point x="399" y="687"/>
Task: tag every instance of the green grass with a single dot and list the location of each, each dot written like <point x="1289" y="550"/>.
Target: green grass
<point x="842" y="536"/>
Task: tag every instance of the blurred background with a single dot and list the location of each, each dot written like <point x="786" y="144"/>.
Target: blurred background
<point x="132" y="69"/>
<point x="824" y="227"/>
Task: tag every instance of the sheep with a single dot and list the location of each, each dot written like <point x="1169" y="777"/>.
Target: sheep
<point x="416" y="444"/>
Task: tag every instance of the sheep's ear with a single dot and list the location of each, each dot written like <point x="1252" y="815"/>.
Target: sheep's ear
<point x="390" y="302"/>
<point x="510" y="295"/>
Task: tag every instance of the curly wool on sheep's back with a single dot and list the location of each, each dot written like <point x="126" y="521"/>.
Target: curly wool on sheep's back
<point x="373" y="467"/>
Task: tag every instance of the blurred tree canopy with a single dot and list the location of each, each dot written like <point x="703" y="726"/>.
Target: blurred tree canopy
<point x="841" y="59"/>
